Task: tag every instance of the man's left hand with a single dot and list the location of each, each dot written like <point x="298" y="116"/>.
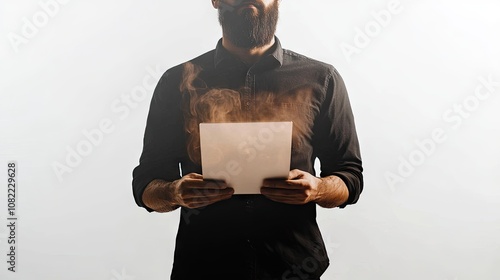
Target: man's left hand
<point x="299" y="188"/>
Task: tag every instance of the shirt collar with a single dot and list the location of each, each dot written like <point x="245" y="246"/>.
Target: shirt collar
<point x="272" y="59"/>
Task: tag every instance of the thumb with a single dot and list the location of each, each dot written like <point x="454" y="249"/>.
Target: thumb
<point x="295" y="174"/>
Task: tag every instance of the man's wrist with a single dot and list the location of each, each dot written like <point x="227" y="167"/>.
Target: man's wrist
<point x="332" y="192"/>
<point x="159" y="195"/>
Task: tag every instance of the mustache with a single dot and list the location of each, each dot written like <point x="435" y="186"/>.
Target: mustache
<point x="240" y="3"/>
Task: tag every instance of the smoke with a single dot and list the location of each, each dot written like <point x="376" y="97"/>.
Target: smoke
<point x="216" y="105"/>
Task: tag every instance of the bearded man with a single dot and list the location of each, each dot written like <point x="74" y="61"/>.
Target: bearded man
<point x="249" y="77"/>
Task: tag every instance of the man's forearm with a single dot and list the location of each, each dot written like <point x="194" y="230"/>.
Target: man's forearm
<point x="332" y="192"/>
<point x="158" y="196"/>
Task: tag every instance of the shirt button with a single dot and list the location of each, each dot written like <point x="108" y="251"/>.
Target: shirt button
<point x="250" y="244"/>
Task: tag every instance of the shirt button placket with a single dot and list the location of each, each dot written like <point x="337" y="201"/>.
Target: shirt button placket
<point x="249" y="85"/>
<point x="249" y="205"/>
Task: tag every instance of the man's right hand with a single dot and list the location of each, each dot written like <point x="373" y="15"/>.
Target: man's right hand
<point x="190" y="191"/>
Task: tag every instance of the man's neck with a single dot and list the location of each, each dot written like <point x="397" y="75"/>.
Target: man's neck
<point x="248" y="56"/>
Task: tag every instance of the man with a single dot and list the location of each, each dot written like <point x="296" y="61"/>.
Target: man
<point x="249" y="77"/>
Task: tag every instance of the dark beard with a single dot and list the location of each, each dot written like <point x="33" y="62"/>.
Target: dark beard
<point x="246" y="30"/>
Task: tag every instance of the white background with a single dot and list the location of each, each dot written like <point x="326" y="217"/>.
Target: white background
<point x="442" y="222"/>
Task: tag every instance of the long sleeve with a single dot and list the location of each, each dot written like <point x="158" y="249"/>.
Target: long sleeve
<point x="336" y="142"/>
<point x="164" y="138"/>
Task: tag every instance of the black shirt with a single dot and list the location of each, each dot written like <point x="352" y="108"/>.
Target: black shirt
<point x="250" y="236"/>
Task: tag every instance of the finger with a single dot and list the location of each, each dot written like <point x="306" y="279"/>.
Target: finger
<point x="197" y="179"/>
<point x="296" y="179"/>
<point x="197" y="183"/>
<point x="194" y="176"/>
<point x="287" y="196"/>
<point x="188" y="194"/>
<point x="216" y="192"/>
<point x="283" y="192"/>
<point x="274" y="183"/>
<point x="283" y="184"/>
<point x="195" y="204"/>
<point x="199" y="202"/>
<point x="215" y="184"/>
<point x="296" y="174"/>
<point x="298" y="184"/>
<point x="192" y="182"/>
